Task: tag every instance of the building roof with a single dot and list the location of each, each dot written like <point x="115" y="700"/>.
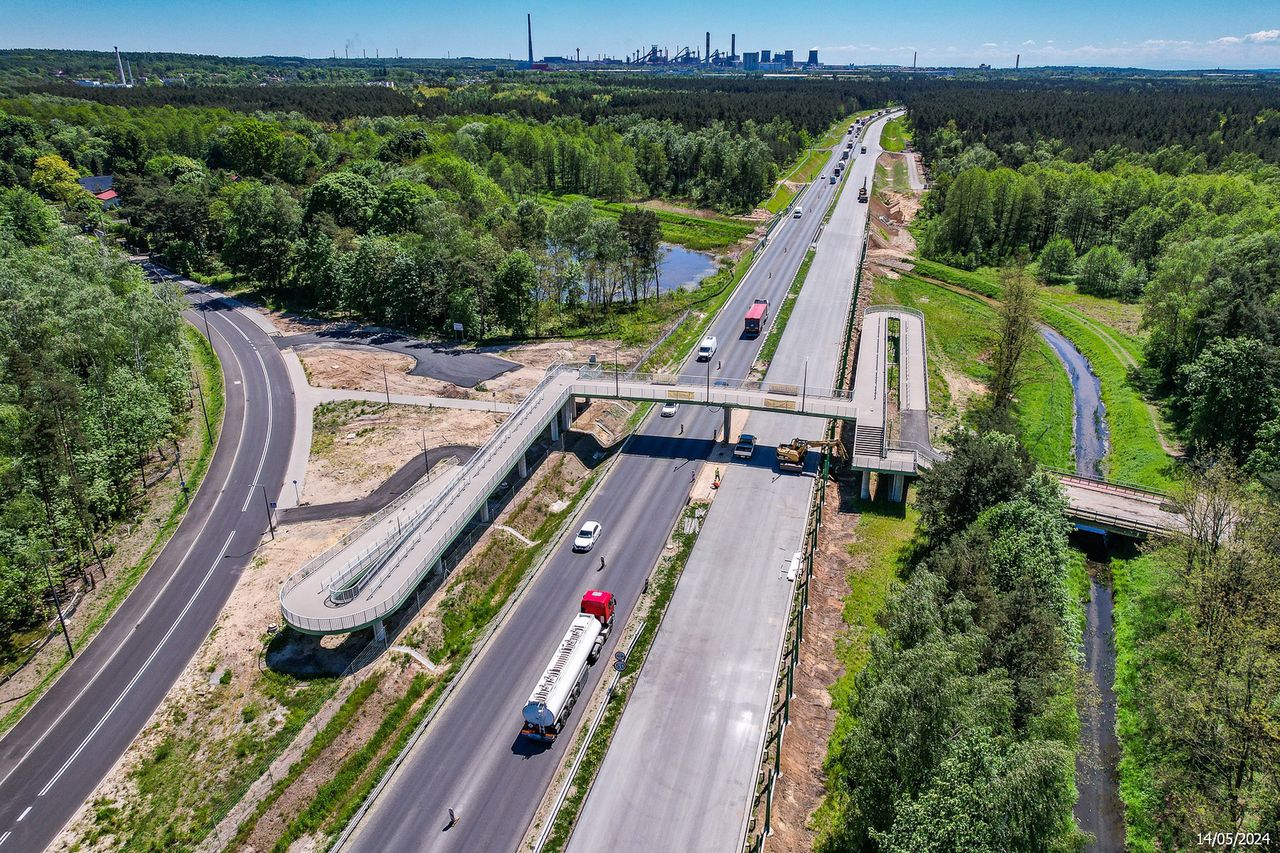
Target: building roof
<point x="106" y="196"/>
<point x="97" y="183"/>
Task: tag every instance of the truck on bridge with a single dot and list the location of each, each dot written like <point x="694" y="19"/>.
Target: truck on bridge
<point x="561" y="683"/>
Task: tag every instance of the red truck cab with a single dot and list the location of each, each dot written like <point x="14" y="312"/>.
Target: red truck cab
<point x="599" y="604"/>
<point x="757" y="314"/>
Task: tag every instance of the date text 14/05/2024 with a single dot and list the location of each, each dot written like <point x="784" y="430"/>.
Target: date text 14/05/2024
<point x="1233" y="839"/>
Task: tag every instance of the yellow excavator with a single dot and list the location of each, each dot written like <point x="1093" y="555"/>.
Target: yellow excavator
<point x="791" y="456"/>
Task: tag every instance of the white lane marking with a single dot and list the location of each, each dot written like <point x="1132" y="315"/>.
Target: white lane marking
<point x="5" y="837"/>
<point x="195" y="540"/>
<point x="25" y="812"/>
<point x="266" y="445"/>
<point x="141" y="670"/>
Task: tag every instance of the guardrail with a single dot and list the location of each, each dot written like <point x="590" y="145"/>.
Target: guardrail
<point x="354" y="576"/>
<point x="1109" y="485"/>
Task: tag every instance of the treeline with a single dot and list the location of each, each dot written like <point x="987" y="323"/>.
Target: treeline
<point x="961" y="730"/>
<point x="1012" y="118"/>
<point x="93" y="379"/>
<point x="1201" y="250"/>
<point x="1198" y="671"/>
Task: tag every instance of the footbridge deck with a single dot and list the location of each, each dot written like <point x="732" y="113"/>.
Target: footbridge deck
<point x="375" y="568"/>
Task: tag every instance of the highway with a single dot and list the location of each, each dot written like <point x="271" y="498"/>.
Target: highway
<point x="471" y="757"/>
<point x="51" y="761"/>
<point x="680" y="772"/>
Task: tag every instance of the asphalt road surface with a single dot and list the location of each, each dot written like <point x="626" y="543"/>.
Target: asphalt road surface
<point x="463" y="368"/>
<point x="51" y="761"/>
<point x="680" y="772"/>
<point x="471" y="758"/>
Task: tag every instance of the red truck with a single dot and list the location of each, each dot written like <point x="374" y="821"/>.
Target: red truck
<point x="562" y="681"/>
<point x="757" y="314"/>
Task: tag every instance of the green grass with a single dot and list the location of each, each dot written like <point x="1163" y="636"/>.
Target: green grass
<point x="663" y="586"/>
<point x="771" y="341"/>
<point x="1141" y="613"/>
<point x="704" y="304"/>
<point x="337" y="723"/>
<point x="895" y="135"/>
<point x="1135" y="454"/>
<point x="781" y="198"/>
<point x="210" y="373"/>
<point x="883" y="536"/>
<point x="171" y="812"/>
<point x="701" y="233"/>
<point x="958" y="335"/>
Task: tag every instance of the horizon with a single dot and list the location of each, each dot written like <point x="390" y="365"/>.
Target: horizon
<point x="1161" y="36"/>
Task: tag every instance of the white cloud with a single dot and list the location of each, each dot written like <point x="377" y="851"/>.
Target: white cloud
<point x="1029" y="43"/>
<point x="1226" y="41"/>
<point x="990" y="44"/>
<point x="1263" y="36"/>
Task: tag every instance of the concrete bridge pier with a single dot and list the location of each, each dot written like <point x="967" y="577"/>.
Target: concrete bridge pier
<point x="485" y="514"/>
<point x="866" y="485"/>
<point x="555" y="428"/>
<point x="380" y="631"/>
<point x="728" y="425"/>
<point x="897" y="488"/>
<point x="522" y="467"/>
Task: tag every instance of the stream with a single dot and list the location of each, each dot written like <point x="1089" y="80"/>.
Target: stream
<point x="1098" y="810"/>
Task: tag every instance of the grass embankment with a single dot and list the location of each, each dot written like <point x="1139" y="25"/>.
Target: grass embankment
<point x="883" y="538"/>
<point x="1140" y="614"/>
<point x="703" y="305"/>
<point x="958" y="333"/>
<point x="662" y="588"/>
<point x="895" y="135"/>
<point x="1136" y="454"/>
<point x="788" y="305"/>
<point x="701" y="233"/>
<point x="207" y="368"/>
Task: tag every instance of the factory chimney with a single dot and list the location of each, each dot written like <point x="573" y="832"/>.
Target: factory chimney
<point x="578" y="50"/>
<point x="707" y="55"/>
<point x="529" y="21"/>
<point x="129" y="67"/>
<point x="733" y="47"/>
<point x="1017" y="62"/>
<point x="914" y="54"/>
<point x="120" y="67"/>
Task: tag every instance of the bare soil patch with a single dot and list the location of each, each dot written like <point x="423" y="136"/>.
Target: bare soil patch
<point x="802" y="786"/>
<point x="372" y="370"/>
<point x="535" y="358"/>
<point x="357" y="445"/>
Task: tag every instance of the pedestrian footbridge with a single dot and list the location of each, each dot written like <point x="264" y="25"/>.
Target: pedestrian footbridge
<point x="374" y="569"/>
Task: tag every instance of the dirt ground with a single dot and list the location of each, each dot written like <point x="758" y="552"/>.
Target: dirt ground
<point x="801" y="788"/>
<point x="891" y="245"/>
<point x="357" y="445"/>
<point x="362" y="369"/>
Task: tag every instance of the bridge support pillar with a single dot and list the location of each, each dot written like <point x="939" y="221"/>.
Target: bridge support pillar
<point x="566" y="414"/>
<point x="485" y="514"/>
<point x="728" y="425"/>
<point x="555" y="428"/>
<point x="522" y="467"/>
<point x="380" y="631"/>
<point x="866" y="485"/>
<point x="896" y="488"/>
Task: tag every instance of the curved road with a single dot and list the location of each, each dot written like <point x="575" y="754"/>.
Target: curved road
<point x="471" y="757"/>
<point x="51" y="761"/>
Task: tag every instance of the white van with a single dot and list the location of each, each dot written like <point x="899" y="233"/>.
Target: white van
<point x="798" y="212"/>
<point x="707" y="349"/>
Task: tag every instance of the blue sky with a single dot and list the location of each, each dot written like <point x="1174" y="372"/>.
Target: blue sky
<point x="1147" y="33"/>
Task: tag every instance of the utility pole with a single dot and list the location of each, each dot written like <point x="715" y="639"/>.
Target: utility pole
<point x="271" y="524"/>
<point x="208" y="428"/>
<point x="385" y="385"/>
<point x="57" y="604"/>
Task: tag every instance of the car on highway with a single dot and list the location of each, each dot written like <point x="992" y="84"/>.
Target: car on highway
<point x="669" y="409"/>
<point x="797" y="213"/>
<point x="707" y="349"/>
<point x="746" y="446"/>
<point x="587" y="537"/>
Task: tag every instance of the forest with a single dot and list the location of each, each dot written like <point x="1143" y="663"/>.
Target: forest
<point x="960" y="732"/>
<point x="94" y="379"/>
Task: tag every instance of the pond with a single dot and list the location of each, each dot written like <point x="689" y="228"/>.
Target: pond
<point x="683" y="269"/>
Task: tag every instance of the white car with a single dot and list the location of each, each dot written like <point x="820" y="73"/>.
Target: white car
<point x="587" y="537"/>
<point x="669" y="409"/>
<point x="707" y="349"/>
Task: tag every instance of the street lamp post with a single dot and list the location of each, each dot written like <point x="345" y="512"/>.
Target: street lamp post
<point x="616" y="386"/>
<point x="57" y="604"/>
<point x="271" y="524"/>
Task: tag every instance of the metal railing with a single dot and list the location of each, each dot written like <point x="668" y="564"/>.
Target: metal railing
<point x="348" y="581"/>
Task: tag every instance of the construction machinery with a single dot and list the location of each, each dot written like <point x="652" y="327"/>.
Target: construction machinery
<point x="862" y="192"/>
<point x="791" y="456"/>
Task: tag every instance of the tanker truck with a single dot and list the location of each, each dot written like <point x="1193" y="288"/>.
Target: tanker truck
<point x="562" y="681"/>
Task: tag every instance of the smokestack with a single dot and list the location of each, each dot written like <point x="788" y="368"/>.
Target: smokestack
<point x="707" y="55"/>
<point x="578" y="51"/>
<point x="120" y="67"/>
<point x="129" y="67"/>
<point x="1017" y="62"/>
<point x="733" y="47"/>
<point x="529" y="21"/>
<point x="914" y="54"/>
